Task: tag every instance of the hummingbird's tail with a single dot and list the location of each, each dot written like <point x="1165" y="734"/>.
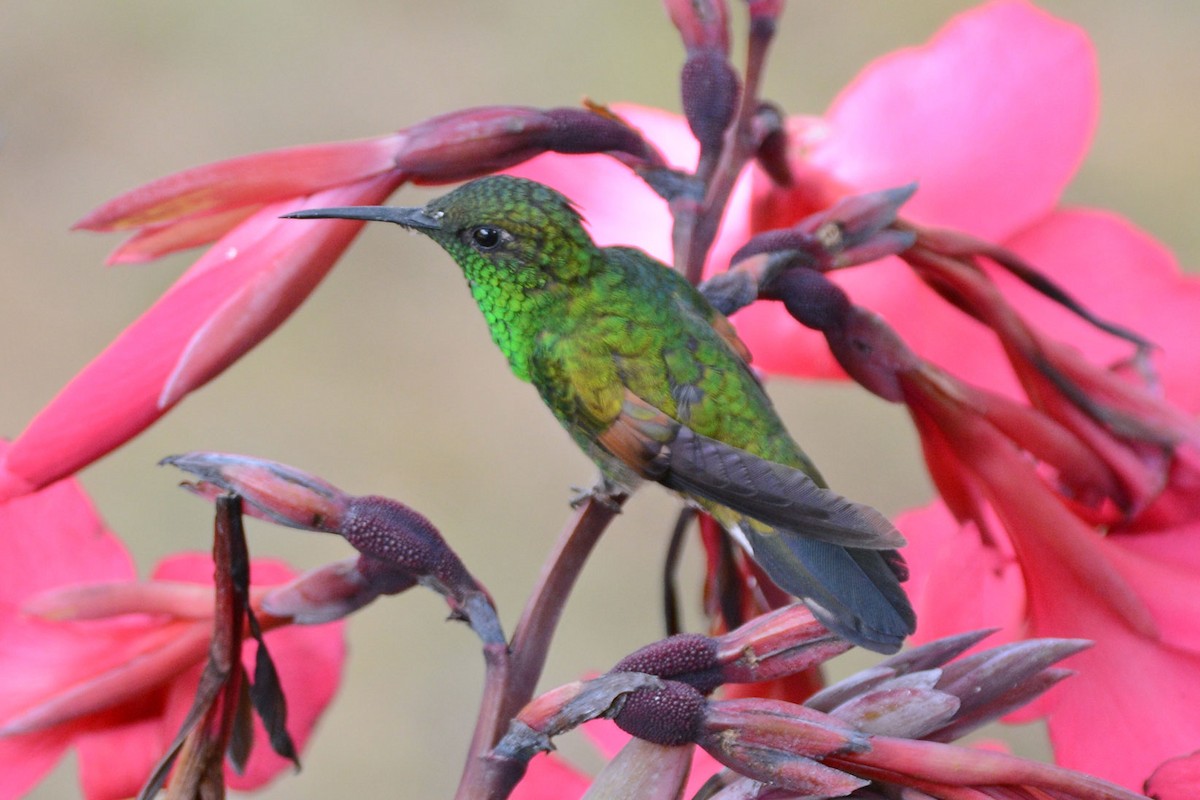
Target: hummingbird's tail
<point x="855" y="593"/>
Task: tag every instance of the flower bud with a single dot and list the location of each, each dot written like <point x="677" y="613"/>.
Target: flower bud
<point x="335" y="590"/>
<point x="776" y="742"/>
<point x="772" y="137"/>
<point x="710" y="91"/>
<point x="275" y="492"/>
<point x="687" y="657"/>
<point x="478" y="141"/>
<point x="780" y="643"/>
<point x="668" y="715"/>
<point x="404" y="546"/>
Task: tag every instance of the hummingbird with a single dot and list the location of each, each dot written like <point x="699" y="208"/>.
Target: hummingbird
<point x="654" y="384"/>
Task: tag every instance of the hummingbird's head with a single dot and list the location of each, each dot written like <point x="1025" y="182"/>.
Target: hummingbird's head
<point x="518" y="228"/>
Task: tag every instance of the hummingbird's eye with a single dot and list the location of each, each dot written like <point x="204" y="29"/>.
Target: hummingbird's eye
<point x="486" y="237"/>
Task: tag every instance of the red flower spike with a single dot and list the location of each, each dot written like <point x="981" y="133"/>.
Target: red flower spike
<point x="472" y="143"/>
<point x="245" y="182"/>
<point x="108" y="675"/>
<point x="856" y="733"/>
<point x="940" y="768"/>
<point x="1126" y="505"/>
<point x="231" y="299"/>
<point x="261" y="269"/>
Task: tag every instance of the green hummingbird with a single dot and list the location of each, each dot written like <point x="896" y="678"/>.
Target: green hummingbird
<point x="653" y="383"/>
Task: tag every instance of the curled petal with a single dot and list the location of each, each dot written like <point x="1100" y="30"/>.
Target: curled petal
<point x="229" y="301"/>
<point x="1176" y="779"/>
<point x="918" y="114"/>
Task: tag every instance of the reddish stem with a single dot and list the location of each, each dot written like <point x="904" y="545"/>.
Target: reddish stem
<point x="512" y="674"/>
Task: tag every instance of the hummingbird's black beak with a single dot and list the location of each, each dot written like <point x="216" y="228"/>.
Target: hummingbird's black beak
<point x="414" y="218"/>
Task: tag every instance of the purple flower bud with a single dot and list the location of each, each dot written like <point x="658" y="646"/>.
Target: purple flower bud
<point x="404" y="545"/>
<point x="710" y="90"/>
<point x="690" y="658"/>
<point x="812" y="298"/>
<point x="772" y="152"/>
<point x="669" y="715"/>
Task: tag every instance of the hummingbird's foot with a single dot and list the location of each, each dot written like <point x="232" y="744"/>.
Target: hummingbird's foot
<point x="604" y="492"/>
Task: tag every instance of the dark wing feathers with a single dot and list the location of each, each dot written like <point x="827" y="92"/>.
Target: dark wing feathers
<point x="834" y="554"/>
<point x="664" y="450"/>
<point x="854" y="593"/>
<point x="774" y="494"/>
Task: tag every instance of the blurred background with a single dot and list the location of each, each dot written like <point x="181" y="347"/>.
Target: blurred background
<point x="386" y="381"/>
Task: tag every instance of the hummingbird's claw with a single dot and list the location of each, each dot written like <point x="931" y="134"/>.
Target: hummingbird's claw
<point x="604" y="492"/>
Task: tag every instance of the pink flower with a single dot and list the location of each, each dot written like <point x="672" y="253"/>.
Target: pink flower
<point x="992" y="131"/>
<point x="260" y="268"/>
<point x="92" y="659"/>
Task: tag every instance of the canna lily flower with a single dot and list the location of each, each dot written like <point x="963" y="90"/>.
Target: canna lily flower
<point x="260" y="268"/>
<point x="1036" y="445"/>
<point x="93" y="659"/>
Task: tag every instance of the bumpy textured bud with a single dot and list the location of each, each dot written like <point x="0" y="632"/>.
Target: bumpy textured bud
<point x="403" y="545"/>
<point x="669" y="715"/>
<point x="687" y="657"/>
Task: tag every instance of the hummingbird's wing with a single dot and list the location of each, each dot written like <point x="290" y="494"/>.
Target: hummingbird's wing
<point x="854" y="593"/>
<point x="834" y="554"/>
<point x="665" y="450"/>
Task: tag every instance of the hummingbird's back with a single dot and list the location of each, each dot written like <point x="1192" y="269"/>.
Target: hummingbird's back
<point x="641" y="326"/>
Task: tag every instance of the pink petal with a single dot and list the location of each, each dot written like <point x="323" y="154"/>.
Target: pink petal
<point x="551" y="778"/>
<point x="1176" y="779"/>
<point x="992" y="117"/>
<point x="1123" y="275"/>
<point x="115" y="762"/>
<point x="957" y="583"/>
<point x="247" y="180"/>
<point x="1166" y="581"/>
<point x="618" y="207"/>
<point x="1132" y="704"/>
<point x="230" y="300"/>
<point x="155" y="241"/>
<point x="55" y="538"/>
